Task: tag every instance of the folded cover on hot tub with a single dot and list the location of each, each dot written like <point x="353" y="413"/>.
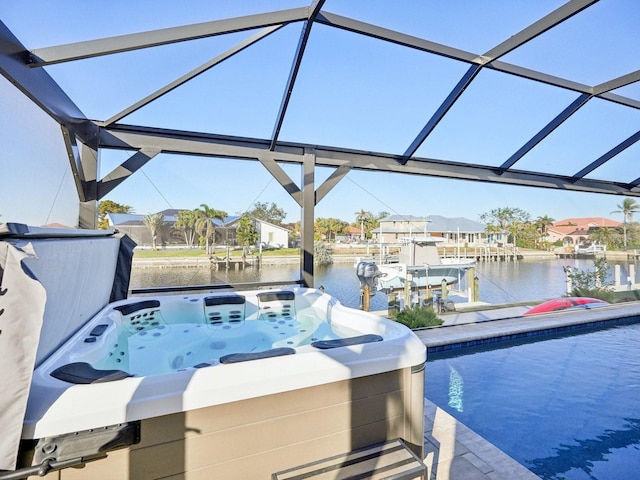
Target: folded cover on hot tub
<point x="53" y="281"/>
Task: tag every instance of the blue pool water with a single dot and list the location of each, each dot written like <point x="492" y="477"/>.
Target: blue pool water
<point x="565" y="407"/>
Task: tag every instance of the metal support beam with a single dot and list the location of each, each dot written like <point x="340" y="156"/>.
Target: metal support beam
<point x="88" y="215"/>
<point x="542" y="134"/>
<point x="529" y="33"/>
<point x="464" y="82"/>
<point x="295" y="67"/>
<point x="124" y="171"/>
<point x="40" y="88"/>
<point x="608" y="156"/>
<point x="135" y="41"/>
<point x="193" y="73"/>
<point x="90" y="168"/>
<point x="84" y="168"/>
<point x="619" y="82"/>
<point x="393" y="36"/>
<point x="423" y="45"/>
<point x="281" y="176"/>
<point x="547" y="22"/>
<point x="75" y="161"/>
<point x="128" y="137"/>
<point x="307" y="220"/>
<point x="337" y="175"/>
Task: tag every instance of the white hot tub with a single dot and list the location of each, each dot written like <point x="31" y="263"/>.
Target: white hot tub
<point x="292" y="371"/>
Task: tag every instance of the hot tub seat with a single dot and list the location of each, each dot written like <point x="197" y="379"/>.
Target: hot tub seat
<point x="246" y="357"/>
<point x="347" y="342"/>
<point x="81" y="373"/>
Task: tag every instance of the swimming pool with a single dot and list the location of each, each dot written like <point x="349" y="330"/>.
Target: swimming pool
<point x="565" y="407"/>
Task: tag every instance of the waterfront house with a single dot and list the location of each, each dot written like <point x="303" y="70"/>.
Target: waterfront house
<point x="351" y="235"/>
<point x="573" y="231"/>
<point x="133" y="225"/>
<point x="269" y="235"/>
<point x="452" y="230"/>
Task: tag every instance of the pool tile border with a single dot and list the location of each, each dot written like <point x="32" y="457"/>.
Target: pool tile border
<point x="473" y="334"/>
<point x="533" y="334"/>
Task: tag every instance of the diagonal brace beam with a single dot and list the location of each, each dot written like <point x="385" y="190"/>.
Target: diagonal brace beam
<point x="75" y="161"/>
<point x="547" y="22"/>
<point x="281" y="176"/>
<point x="293" y="73"/>
<point x="542" y="134"/>
<point x="135" y="41"/>
<point x="193" y="73"/>
<point x="619" y="82"/>
<point x="337" y="175"/>
<point x="455" y="94"/>
<point x="124" y="171"/>
<point x="608" y="156"/>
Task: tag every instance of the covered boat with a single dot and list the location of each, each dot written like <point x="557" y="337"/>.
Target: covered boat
<point x="421" y="265"/>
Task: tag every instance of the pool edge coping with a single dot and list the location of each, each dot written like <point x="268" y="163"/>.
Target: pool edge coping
<point x="475" y="333"/>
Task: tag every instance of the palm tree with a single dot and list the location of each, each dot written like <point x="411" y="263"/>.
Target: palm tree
<point x="605" y="236"/>
<point x="204" y="223"/>
<point x="543" y="224"/>
<point x="246" y="234"/>
<point x="336" y="226"/>
<point x="186" y="223"/>
<point x="154" y="222"/>
<point x="628" y="207"/>
<point x="361" y="217"/>
<point x="321" y="228"/>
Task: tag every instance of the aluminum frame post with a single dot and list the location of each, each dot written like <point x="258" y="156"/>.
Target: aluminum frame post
<point x="307" y="220"/>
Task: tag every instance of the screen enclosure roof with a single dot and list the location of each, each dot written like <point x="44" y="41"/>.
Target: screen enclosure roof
<point x="543" y="93"/>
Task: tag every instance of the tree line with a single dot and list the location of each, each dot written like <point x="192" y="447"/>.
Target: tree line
<point x="532" y="233"/>
<point x="198" y="227"/>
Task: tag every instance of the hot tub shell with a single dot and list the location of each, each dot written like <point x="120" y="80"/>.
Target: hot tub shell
<point x="246" y="419"/>
<point x="241" y="420"/>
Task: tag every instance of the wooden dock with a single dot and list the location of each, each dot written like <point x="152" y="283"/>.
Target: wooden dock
<point x="481" y="253"/>
<point x="217" y="263"/>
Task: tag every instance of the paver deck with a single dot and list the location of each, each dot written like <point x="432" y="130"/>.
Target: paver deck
<point x="452" y="450"/>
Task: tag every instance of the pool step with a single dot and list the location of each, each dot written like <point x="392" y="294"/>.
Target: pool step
<point x="389" y="460"/>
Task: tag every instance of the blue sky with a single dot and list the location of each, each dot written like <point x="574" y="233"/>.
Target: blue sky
<point x="352" y="92"/>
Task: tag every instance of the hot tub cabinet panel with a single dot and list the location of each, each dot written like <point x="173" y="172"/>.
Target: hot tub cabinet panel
<point x="313" y="379"/>
<point x="253" y="438"/>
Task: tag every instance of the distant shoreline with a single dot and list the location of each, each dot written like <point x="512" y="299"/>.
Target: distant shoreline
<point x="205" y="262"/>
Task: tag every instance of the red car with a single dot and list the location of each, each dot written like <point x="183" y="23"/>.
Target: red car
<point x="566" y="303"/>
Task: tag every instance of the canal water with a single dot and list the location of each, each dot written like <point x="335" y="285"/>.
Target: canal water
<point x="500" y="282"/>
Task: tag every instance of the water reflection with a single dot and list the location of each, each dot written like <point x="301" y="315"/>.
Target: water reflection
<point x="456" y="390"/>
<point x="585" y="455"/>
<point x="500" y="282"/>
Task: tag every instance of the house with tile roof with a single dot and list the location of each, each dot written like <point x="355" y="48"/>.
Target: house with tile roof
<point x="351" y="235"/>
<point x="574" y="231"/>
